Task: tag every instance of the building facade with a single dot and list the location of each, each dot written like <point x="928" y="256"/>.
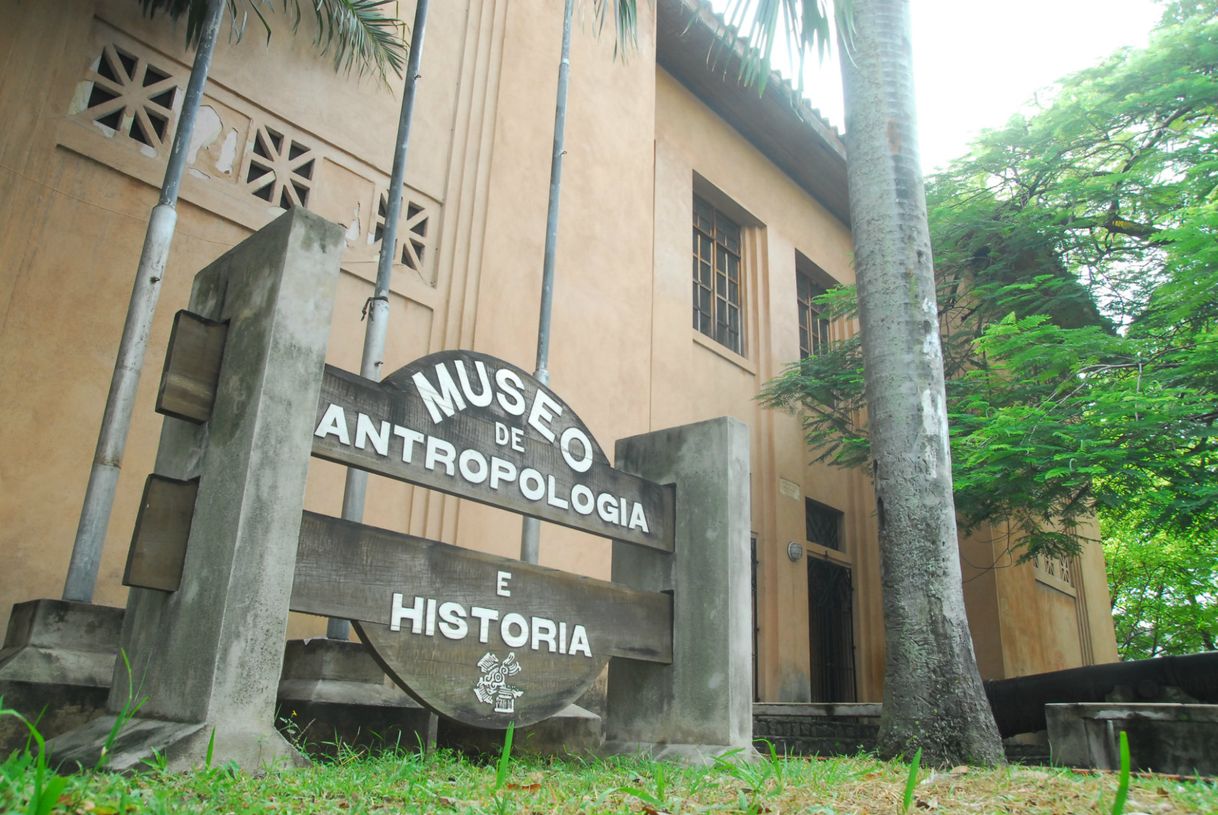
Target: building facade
<point x="698" y="220"/>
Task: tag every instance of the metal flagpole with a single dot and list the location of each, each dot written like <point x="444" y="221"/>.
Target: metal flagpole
<point x="146" y="290"/>
<point x="354" y="491"/>
<point x="530" y="534"/>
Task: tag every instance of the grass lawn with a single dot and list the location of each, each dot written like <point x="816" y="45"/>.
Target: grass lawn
<point x="444" y="782"/>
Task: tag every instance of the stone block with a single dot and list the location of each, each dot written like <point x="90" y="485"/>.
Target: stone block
<point x="333" y="694"/>
<point x="208" y="656"/>
<point x="1166" y="737"/>
<point x="701" y="704"/>
<point x="62" y="642"/>
<point x="56" y="665"/>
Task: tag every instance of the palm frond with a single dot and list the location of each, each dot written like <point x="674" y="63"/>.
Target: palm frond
<point x="359" y="33"/>
<point x="625" y="14"/>
<point x="805" y="25"/>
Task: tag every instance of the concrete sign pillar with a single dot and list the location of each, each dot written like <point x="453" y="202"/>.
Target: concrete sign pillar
<point x="701" y="704"/>
<point x="208" y="656"/>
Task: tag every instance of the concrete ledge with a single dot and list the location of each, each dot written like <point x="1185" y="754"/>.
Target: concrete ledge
<point x="138" y="742"/>
<point x="333" y="694"/>
<point x="56" y="666"/>
<point x="61" y="642"/>
<point x="691" y="755"/>
<point x="53" y="707"/>
<point x="818" y="728"/>
<point x="858" y="709"/>
<point x="1169" y="738"/>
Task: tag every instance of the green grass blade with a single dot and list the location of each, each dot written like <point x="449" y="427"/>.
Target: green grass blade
<point x="48" y="796"/>
<point x="1122" y="793"/>
<point x="505" y="755"/>
<point x="911" y="781"/>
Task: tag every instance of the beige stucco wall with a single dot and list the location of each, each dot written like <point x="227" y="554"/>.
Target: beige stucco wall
<point x="1028" y="618"/>
<point x="74" y="204"/>
<point x="694" y="377"/>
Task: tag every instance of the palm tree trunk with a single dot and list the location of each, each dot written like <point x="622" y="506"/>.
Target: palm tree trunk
<point x="933" y="697"/>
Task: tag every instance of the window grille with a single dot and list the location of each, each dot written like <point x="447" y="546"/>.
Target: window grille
<point x="279" y="169"/>
<point x="823" y="525"/>
<point x="413" y="238"/>
<point x="129" y="96"/>
<point x="716" y="276"/>
<point x="813" y="327"/>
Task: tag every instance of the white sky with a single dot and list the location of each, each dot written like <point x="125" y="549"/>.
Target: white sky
<point x="976" y="62"/>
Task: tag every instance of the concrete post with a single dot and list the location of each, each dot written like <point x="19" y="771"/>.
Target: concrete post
<point x="208" y="656"/>
<point x="701" y="704"/>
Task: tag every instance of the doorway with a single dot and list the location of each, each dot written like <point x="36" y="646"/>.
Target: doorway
<point x="831" y="631"/>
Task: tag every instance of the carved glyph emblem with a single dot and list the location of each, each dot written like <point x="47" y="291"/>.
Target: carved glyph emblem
<point x="492" y="688"/>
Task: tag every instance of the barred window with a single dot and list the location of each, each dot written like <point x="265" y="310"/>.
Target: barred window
<point x="813" y="327"/>
<point x="823" y="525"/>
<point x="716" y="276"/>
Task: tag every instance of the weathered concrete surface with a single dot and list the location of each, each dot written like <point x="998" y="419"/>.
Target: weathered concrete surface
<point x="332" y="692"/>
<point x="135" y="744"/>
<point x="1168" y="738"/>
<point x="209" y="655"/>
<point x="701" y="705"/>
<point x="61" y="641"/>
<point x="56" y="665"/>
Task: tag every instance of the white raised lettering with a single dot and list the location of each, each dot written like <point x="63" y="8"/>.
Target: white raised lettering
<point x="501" y="470"/>
<point x="441" y="402"/>
<point x="552" y="498"/>
<point x="429" y="627"/>
<point x="509" y="386"/>
<point x="366" y="431"/>
<point x="473" y="466"/>
<point x="638" y="520"/>
<point x="543" y="631"/>
<point x="517" y="638"/>
<point x="582" y="499"/>
<point x="606" y="508"/>
<point x="409" y="439"/>
<point x="481" y="399"/>
<point x="452" y="621"/>
<point x="540" y="416"/>
<point x="400" y="612"/>
<point x="485" y="617"/>
<point x="441" y="452"/>
<point x="501" y="580"/>
<point x="579" y="642"/>
<point x="532" y="485"/>
<point x="333" y="423"/>
<point x="584" y="462"/>
<point x="502" y="434"/>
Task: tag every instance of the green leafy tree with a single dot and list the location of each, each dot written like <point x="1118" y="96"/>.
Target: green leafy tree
<point x="1077" y="271"/>
<point x="1164" y="589"/>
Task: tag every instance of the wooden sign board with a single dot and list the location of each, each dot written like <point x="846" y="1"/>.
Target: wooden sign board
<point x="479" y="638"/>
<point x="475" y="426"/>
